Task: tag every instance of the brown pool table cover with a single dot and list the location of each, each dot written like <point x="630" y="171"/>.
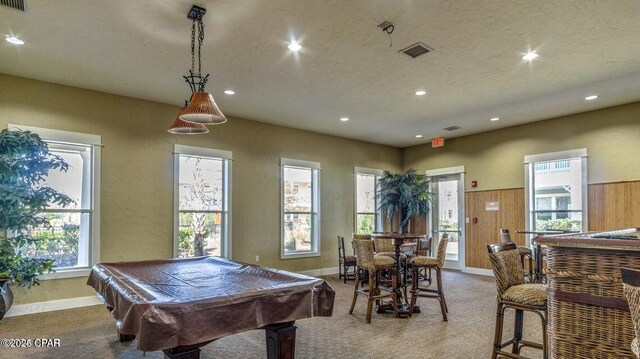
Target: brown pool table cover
<point x="179" y="302"/>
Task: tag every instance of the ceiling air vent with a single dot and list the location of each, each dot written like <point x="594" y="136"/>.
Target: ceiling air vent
<point x="15" y="4"/>
<point x="416" y="50"/>
<point x="452" y="128"/>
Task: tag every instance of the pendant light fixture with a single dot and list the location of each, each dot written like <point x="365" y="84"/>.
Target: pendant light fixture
<point x="202" y="109"/>
<point x="181" y="127"/>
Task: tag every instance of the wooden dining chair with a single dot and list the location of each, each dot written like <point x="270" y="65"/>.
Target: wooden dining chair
<point x="631" y="287"/>
<point x="514" y="293"/>
<point x="345" y="262"/>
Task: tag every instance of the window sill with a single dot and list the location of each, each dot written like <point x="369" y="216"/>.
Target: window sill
<point x="300" y="255"/>
<point x="66" y="273"/>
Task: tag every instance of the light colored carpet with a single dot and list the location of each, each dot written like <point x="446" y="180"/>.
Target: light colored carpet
<point x="90" y="332"/>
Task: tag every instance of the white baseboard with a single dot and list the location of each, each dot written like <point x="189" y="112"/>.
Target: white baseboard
<point x="321" y="271"/>
<point x="480" y="271"/>
<point x="40" y="307"/>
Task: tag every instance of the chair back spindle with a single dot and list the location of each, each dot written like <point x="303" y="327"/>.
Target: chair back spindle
<point x="341" y="252"/>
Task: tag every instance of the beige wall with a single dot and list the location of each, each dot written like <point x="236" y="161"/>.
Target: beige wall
<point x="137" y="199"/>
<point x="495" y="159"/>
<point x="136" y="212"/>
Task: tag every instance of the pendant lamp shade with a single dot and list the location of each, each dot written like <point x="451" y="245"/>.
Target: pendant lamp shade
<point x="181" y="127"/>
<point x="202" y="109"/>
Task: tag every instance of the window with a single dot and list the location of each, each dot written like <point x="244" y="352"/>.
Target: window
<point x="556" y="193"/>
<point x="72" y="239"/>
<point x="300" y="208"/>
<point x="367" y="219"/>
<point x="202" y="179"/>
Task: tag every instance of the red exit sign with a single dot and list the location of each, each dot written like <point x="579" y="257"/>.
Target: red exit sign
<point x="437" y="142"/>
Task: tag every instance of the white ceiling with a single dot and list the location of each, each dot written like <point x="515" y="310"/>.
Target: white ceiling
<point x="346" y="68"/>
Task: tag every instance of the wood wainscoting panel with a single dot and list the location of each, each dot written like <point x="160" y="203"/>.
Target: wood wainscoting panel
<point x="510" y="215"/>
<point x="614" y="205"/>
<point x="611" y="206"/>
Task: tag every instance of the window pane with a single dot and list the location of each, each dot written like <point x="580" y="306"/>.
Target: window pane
<point x="366" y="193"/>
<point x="200" y="185"/>
<point x="297" y="232"/>
<point x="75" y="183"/>
<point x="62" y="241"/>
<point x="557" y="179"/>
<point x="452" y="247"/>
<point x="448" y="205"/>
<point x="558" y="189"/>
<point x="297" y="189"/>
<point x="562" y="221"/>
<point x="199" y="234"/>
<point x="365" y="223"/>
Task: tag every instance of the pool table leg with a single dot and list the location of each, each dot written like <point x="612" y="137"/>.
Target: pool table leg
<point x="281" y="340"/>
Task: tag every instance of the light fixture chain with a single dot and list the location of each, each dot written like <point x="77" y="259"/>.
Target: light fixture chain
<point x="193" y="41"/>
<point x="200" y="40"/>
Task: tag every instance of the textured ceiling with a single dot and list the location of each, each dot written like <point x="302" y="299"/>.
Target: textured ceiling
<point x="346" y="68"/>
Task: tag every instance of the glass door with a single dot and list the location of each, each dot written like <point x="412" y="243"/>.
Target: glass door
<point x="447" y="216"/>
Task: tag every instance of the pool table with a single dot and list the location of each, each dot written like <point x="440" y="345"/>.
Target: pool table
<point x="180" y="305"/>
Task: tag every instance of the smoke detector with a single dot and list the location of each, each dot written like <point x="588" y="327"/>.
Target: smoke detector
<point x="452" y="128"/>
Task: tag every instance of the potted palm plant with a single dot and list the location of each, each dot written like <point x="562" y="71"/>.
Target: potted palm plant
<point x="404" y="195"/>
<point x="25" y="161"/>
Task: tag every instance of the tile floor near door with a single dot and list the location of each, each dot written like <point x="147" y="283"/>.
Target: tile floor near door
<point x="90" y="332"/>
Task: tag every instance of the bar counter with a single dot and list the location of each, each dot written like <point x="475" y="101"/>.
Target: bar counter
<point x="588" y="313"/>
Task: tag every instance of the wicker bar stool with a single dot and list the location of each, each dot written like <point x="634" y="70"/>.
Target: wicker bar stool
<point x="361" y="236"/>
<point x="524" y="251"/>
<point x="429" y="263"/>
<point x="366" y="262"/>
<point x="345" y="262"/>
<point x="423" y="248"/>
<point x="384" y="247"/>
<point x="514" y="293"/>
<point x="631" y="285"/>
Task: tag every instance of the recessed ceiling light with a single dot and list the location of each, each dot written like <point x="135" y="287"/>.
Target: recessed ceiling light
<point x="421" y="92"/>
<point x="590" y="98"/>
<point x="344" y="119"/>
<point x="294" y="46"/>
<point x="419" y="136"/>
<point x="229" y="92"/>
<point x="14" y="40"/>
<point x="530" y="56"/>
<point x="494" y="119"/>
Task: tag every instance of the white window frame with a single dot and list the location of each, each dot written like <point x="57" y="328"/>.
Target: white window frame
<point x="315" y="207"/>
<point x="95" y="141"/>
<point x="529" y="185"/>
<point x="207" y="153"/>
<point x="378" y="214"/>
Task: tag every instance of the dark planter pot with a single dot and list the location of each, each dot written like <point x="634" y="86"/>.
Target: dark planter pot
<point x="6" y="297"/>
